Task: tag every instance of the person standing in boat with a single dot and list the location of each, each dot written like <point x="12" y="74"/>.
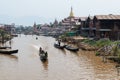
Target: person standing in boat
<point x="46" y="54"/>
<point x="59" y="42"/>
<point x="40" y="50"/>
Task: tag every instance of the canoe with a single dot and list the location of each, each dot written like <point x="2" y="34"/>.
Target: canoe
<point x="9" y="51"/>
<point x="4" y="47"/>
<point x="71" y="48"/>
<point x="58" y="46"/>
<point x="43" y="55"/>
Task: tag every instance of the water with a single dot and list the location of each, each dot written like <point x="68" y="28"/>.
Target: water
<point x="61" y="64"/>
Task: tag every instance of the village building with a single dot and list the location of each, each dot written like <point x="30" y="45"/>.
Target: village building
<point x="87" y="27"/>
<point x="107" y="26"/>
<point x="71" y="21"/>
<point x="83" y="27"/>
<point x="71" y="24"/>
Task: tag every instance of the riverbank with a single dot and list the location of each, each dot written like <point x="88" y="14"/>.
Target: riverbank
<point x="103" y="47"/>
<point x="79" y="42"/>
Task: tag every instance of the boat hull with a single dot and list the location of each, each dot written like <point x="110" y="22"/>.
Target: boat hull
<point x="8" y="51"/>
<point x="71" y="48"/>
<point x="43" y="56"/>
<point x="58" y="46"/>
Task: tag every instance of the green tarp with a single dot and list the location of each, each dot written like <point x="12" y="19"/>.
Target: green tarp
<point x="71" y="33"/>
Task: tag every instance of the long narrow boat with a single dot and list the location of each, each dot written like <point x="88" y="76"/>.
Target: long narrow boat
<point x="71" y="48"/>
<point x="58" y="46"/>
<point x="4" y="47"/>
<point x="9" y="51"/>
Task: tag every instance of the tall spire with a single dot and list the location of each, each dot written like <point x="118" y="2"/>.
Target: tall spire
<point x="71" y="12"/>
<point x="35" y="27"/>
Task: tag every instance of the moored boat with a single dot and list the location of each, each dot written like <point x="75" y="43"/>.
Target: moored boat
<point x="58" y="46"/>
<point x="71" y="48"/>
<point x="4" y="47"/>
<point x="8" y="51"/>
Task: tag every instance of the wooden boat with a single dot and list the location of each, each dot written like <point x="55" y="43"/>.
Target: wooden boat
<point x="58" y="46"/>
<point x="4" y="47"/>
<point x="43" y="55"/>
<point x="9" y="51"/>
<point x="71" y="48"/>
<point x="14" y="35"/>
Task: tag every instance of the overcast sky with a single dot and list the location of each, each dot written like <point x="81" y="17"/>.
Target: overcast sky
<point x="27" y="12"/>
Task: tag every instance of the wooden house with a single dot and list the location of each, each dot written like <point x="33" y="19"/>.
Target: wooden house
<point x="91" y="30"/>
<point x="83" y="27"/>
<point x="107" y="26"/>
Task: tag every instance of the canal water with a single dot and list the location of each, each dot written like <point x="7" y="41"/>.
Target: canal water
<point x="61" y="64"/>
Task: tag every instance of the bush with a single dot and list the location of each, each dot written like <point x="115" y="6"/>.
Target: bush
<point x="97" y="53"/>
<point x="103" y="42"/>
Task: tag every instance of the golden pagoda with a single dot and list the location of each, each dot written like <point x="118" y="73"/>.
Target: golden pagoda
<point x="71" y="13"/>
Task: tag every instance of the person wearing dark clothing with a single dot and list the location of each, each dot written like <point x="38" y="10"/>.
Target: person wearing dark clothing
<point x="59" y="42"/>
<point x="40" y="50"/>
<point x="46" y="54"/>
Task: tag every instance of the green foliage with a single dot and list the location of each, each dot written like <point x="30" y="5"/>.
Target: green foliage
<point x="116" y="49"/>
<point x="97" y="54"/>
<point x="103" y="42"/>
<point x="90" y="42"/>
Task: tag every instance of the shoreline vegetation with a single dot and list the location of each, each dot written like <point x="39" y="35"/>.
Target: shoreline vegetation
<point x="4" y="36"/>
<point x="104" y="47"/>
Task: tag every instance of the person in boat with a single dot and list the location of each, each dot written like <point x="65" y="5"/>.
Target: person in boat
<point x="40" y="49"/>
<point x="46" y="54"/>
<point x="59" y="42"/>
<point x="36" y="38"/>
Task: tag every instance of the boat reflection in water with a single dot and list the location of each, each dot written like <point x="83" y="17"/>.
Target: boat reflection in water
<point x="9" y="56"/>
<point x="45" y="64"/>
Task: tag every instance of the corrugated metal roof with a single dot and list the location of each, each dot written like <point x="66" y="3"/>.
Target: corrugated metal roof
<point x="109" y="17"/>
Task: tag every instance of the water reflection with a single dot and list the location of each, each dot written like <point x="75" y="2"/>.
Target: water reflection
<point x="45" y="64"/>
<point x="63" y="51"/>
<point x="10" y="56"/>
